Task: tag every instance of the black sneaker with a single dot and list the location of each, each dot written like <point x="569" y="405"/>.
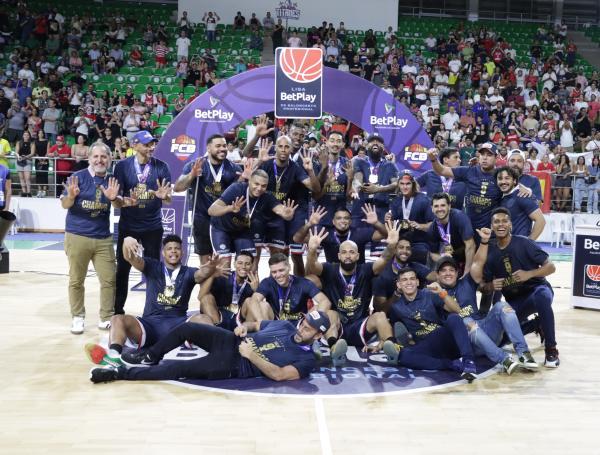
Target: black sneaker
<point x="527" y="361"/>
<point x="469" y="372"/>
<point x="138" y="359"/>
<point x="338" y="353"/>
<point x="509" y="365"/>
<point x="104" y="374"/>
<point x="392" y="351"/>
<point x="552" y="360"/>
<point x="401" y="334"/>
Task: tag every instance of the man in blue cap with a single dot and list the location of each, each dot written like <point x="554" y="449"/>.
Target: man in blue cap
<point x="145" y="183"/>
<point x="279" y="350"/>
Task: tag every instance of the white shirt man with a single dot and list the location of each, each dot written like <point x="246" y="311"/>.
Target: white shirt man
<point x="294" y="41"/>
<point x="183" y="46"/>
<point x="450" y="118"/>
<point x="455" y="65"/>
<point x="409" y="68"/>
<point x="26" y="73"/>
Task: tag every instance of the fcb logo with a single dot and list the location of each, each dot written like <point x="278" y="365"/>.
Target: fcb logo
<point x="415" y="155"/>
<point x="183" y="147"/>
<point x="593" y="272"/>
<point x="301" y="64"/>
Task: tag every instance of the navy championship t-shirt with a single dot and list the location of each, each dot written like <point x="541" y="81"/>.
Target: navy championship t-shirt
<point x="483" y="195"/>
<point x="275" y="343"/>
<point x="349" y="294"/>
<point x="222" y="290"/>
<point x="520" y="254"/>
<point x="422" y="316"/>
<point x="520" y="208"/>
<point x="283" y="179"/>
<point x="334" y="191"/>
<point x="457" y="230"/>
<point x="360" y="236"/>
<point x="431" y="183"/>
<point x="465" y="293"/>
<point x="533" y="183"/>
<point x="255" y="209"/>
<point x="146" y="215"/>
<point x="90" y="214"/>
<point x="381" y="173"/>
<point x="385" y="283"/>
<point x="420" y="212"/>
<point x="167" y="298"/>
<point x="289" y="303"/>
<point x="209" y="190"/>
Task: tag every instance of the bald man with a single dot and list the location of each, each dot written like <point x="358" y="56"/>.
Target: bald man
<point x="348" y="285"/>
<point x="516" y="161"/>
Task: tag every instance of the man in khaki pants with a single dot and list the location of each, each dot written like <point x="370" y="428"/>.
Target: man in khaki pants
<point x="87" y="196"/>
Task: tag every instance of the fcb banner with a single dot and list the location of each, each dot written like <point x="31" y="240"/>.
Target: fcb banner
<point x="586" y="268"/>
<point x="298" y="82"/>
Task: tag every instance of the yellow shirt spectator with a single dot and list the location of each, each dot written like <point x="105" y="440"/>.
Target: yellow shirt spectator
<point x="129" y="152"/>
<point x="4" y="151"/>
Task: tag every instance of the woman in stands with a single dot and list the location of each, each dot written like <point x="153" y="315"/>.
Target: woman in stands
<point x="593" y="185"/>
<point x="25" y="152"/>
<point x="41" y="164"/>
<point x="580" y="173"/>
<point x="562" y="183"/>
<point x="79" y="151"/>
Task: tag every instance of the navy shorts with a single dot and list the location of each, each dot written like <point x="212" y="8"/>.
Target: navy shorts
<point x="226" y="245"/>
<point x="229" y="319"/>
<point x="356" y="334"/>
<point x="293" y="226"/>
<point x="202" y="245"/>
<point x="156" y="327"/>
<point x="273" y="233"/>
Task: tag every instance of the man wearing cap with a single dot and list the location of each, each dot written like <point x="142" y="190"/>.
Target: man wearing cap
<point x="451" y="233"/>
<point x="525" y="213"/>
<point x="374" y="178"/>
<point x="485" y="332"/>
<point x="516" y="161"/>
<point x="63" y="167"/>
<point x="145" y="183"/>
<point x="432" y="183"/>
<point x="413" y="210"/>
<point x="278" y="350"/>
<point x="207" y="177"/>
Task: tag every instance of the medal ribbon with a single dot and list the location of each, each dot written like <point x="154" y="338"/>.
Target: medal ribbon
<point x="171" y="279"/>
<point x="446" y="184"/>
<point x="406" y="208"/>
<point x="142" y="176"/>
<point x="235" y="296"/>
<point x="348" y="287"/>
<point x="216" y="176"/>
<point x="444" y="233"/>
<point x="283" y="298"/>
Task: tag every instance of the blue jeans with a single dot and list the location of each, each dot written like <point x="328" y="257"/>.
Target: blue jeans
<point x="487" y="333"/>
<point x="539" y="301"/>
<point x="593" y="197"/>
<point x="580" y="188"/>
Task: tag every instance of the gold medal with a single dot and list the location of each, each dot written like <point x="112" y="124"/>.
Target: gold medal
<point x="169" y="291"/>
<point x="448" y="250"/>
<point x="217" y="187"/>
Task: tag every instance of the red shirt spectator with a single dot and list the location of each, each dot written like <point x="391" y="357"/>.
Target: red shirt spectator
<point x="548" y="166"/>
<point x="497" y="55"/>
<point x="61" y="150"/>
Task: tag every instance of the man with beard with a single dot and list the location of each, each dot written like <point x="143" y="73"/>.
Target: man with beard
<point x="516" y="161"/>
<point x="341" y="231"/>
<point x="348" y="285"/>
<point x="441" y="338"/>
<point x="485" y="332"/>
<point x="335" y="177"/>
<point x="277" y="350"/>
<point x="524" y="212"/>
<point x="385" y="283"/>
<point x="451" y="233"/>
<point x="413" y="209"/>
<point x="373" y="180"/>
<point x="289" y="180"/>
<point x="222" y="298"/>
<point x="432" y="183"/>
<point x="208" y="177"/>
<point x="240" y="207"/>
<point x="168" y="291"/>
<point x="518" y="267"/>
<point x="145" y="185"/>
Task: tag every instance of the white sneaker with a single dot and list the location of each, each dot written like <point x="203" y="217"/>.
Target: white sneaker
<point x="104" y="325"/>
<point x="77" y="325"/>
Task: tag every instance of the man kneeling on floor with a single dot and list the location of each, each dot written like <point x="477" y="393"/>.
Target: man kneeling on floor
<point x="278" y="350"/>
<point x="169" y="285"/>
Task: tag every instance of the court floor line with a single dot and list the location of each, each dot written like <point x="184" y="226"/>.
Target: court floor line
<point x="322" y="425"/>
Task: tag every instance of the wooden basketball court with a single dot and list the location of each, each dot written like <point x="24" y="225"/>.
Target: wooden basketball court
<point x="49" y="405"/>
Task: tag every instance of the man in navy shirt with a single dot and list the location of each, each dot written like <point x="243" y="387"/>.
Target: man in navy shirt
<point x="87" y="197"/>
<point x="413" y="209"/>
<point x="342" y="231"/>
<point x="144" y="184"/>
<point x="516" y="161"/>
<point x="525" y="213"/>
<point x="335" y="178"/>
<point x="169" y="285"/>
<point x="348" y="285"/>
<point x="385" y="283"/>
<point x="432" y="183"/>
<point x="486" y="331"/>
<point x="5" y="188"/>
<point x="207" y="177"/>
<point x="238" y="209"/>
<point x="451" y="233"/>
<point x="373" y="181"/>
<point x="518" y="267"/>
<point x="277" y="350"/>
<point x="222" y="298"/>
<point x="440" y="338"/>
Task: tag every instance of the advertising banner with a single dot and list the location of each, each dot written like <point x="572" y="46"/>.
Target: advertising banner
<point x="586" y="268"/>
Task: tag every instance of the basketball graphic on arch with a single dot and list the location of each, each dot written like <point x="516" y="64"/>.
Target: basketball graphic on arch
<point x="593" y="272"/>
<point x="301" y="65"/>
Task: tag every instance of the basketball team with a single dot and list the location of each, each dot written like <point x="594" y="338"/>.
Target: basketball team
<point x="434" y="271"/>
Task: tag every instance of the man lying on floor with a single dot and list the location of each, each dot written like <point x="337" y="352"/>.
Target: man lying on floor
<point x="277" y="349"/>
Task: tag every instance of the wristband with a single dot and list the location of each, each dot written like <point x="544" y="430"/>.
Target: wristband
<point x="484" y="243"/>
<point x="443" y="294"/>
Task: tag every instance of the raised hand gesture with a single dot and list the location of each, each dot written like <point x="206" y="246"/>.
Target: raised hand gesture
<point x="370" y="214"/>
<point x="164" y="189"/>
<point x="222" y="271"/>
<point x="237" y="204"/>
<point x="262" y="126"/>
<point x="432" y="154"/>
<point x="393" y="230"/>
<point x="435" y="287"/>
<point x="72" y="187"/>
<point x="316" y="216"/>
<point x="248" y="168"/>
<point x="323" y="156"/>
<point x="307" y="162"/>
<point x="197" y="167"/>
<point x="289" y="208"/>
<point x="315" y="237"/>
<point x="484" y="234"/>
<point x="263" y="150"/>
<point x="131" y="248"/>
<point x="132" y="200"/>
<point x="253" y="280"/>
<point x="112" y="190"/>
